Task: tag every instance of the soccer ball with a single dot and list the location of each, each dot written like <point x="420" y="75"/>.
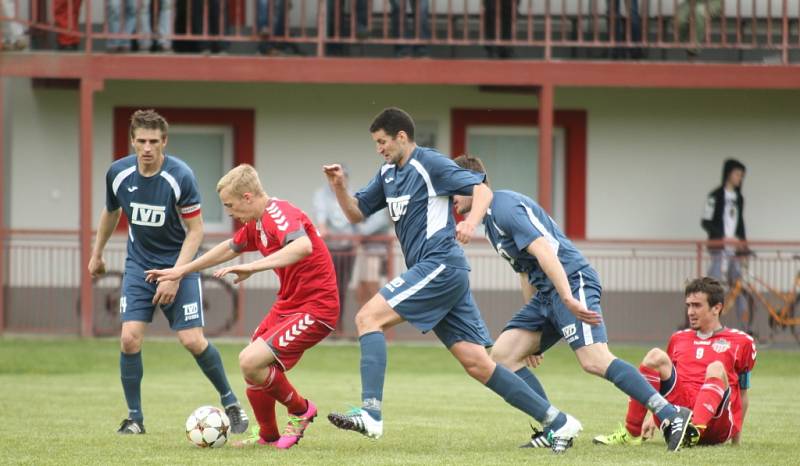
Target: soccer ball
<point x="208" y="426"/>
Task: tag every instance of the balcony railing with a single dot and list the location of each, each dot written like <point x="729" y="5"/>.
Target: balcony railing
<point x="662" y="30"/>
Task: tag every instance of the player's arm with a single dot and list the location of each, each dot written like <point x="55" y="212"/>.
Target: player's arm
<point x="551" y="266"/>
<point x="222" y="252"/>
<point x="348" y="203"/>
<point x="105" y="227"/>
<point x="293" y="252"/>
<point x="528" y="290"/>
<point x="481" y="199"/>
<point x="745" y="400"/>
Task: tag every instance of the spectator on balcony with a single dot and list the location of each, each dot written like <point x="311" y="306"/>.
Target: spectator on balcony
<point x="66" y="14"/>
<point x="190" y="18"/>
<point x="339" y="22"/>
<point x="723" y="220"/>
<point x="417" y="26"/>
<point x="163" y="10"/>
<point x="694" y="14"/>
<point x="271" y="24"/>
<point x="507" y="10"/>
<point x="336" y="231"/>
<point x="13" y="32"/>
<point x="620" y="21"/>
<point x="134" y="19"/>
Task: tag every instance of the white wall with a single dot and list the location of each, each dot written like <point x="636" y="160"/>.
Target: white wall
<point x="652" y="154"/>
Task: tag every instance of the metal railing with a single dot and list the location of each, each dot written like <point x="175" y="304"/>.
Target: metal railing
<point x="539" y="29"/>
<point x="641" y="281"/>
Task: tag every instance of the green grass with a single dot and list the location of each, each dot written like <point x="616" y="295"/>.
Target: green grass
<point x="61" y="402"/>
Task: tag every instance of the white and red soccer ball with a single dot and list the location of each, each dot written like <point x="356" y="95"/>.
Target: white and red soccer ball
<point x="208" y="426"/>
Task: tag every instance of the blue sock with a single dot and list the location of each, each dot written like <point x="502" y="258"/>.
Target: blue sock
<point x="211" y="364"/>
<point x="528" y="376"/>
<point x="373" y="372"/>
<point x="631" y="381"/>
<point x="131" y="372"/>
<point x="519" y="395"/>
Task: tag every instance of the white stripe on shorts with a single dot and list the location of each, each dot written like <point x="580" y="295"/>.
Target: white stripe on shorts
<point x="587" y="329"/>
<point x="200" y="302"/>
<point x="413" y="290"/>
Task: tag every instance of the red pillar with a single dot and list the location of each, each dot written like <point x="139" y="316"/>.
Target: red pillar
<point x="88" y="88"/>
<point x="3" y="197"/>
<point x="545" y="95"/>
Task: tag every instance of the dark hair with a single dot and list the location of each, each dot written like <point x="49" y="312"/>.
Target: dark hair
<point x="392" y="120"/>
<point x="473" y="163"/>
<point x="711" y="287"/>
<point x="148" y="119"/>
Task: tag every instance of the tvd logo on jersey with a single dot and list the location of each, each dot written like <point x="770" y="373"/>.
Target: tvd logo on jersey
<point x="148" y="215"/>
<point x="721" y="345"/>
<point x="397" y="206"/>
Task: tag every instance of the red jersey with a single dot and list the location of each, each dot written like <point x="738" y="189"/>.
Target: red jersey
<point x="691" y="355"/>
<point x="308" y="285"/>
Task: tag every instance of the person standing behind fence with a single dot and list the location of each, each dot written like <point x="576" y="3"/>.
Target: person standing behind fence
<point x="136" y="19"/>
<point x="66" y="14"/>
<point x="507" y="11"/>
<point x="159" y="195"/>
<point x="332" y="222"/>
<point x="723" y="219"/>
<point x="693" y="13"/>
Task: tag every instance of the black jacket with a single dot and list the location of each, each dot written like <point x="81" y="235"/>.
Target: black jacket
<point x="712" y="221"/>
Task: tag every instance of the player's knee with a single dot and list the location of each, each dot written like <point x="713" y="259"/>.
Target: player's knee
<point x="479" y="368"/>
<point x="366" y="322"/>
<point x="504" y="357"/>
<point x="130" y="343"/>
<point x="193" y="342"/>
<point x="655" y="358"/>
<point x="248" y="363"/>
<point x="717" y="370"/>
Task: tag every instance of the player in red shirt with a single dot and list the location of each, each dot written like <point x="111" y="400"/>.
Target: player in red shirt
<point x="706" y="366"/>
<point x="305" y="312"/>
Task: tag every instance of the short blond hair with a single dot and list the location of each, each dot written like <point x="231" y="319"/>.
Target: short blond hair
<point x="241" y="179"/>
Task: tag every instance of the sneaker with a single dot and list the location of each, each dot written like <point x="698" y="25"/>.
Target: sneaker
<point x="358" y="420"/>
<point x="238" y="418"/>
<point x="254" y="440"/>
<point x="674" y="429"/>
<point x="619" y="437"/>
<point x="561" y="439"/>
<point x="296" y="427"/>
<point x="538" y="440"/>
<point x="129" y="426"/>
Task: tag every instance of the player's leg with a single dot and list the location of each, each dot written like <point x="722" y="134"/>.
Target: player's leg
<point x="655" y="368"/>
<point x="186" y="318"/>
<point x="710" y="397"/>
<point x="266" y="359"/>
<point x="464" y="333"/>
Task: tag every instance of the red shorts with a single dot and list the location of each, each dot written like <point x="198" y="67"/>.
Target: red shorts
<point x="721" y="427"/>
<point x="290" y="335"/>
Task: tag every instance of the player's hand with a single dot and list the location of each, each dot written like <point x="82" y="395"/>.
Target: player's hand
<point x="534" y="360"/>
<point x="581" y="312"/>
<point x="648" y="428"/>
<point x="242" y="272"/>
<point x="166" y="291"/>
<point x="161" y="275"/>
<point x="334" y="173"/>
<point x="464" y="232"/>
<point x="97" y="266"/>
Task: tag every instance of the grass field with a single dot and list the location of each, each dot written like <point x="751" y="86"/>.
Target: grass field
<point x="61" y="402"/>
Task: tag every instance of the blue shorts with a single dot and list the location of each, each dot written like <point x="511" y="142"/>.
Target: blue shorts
<point x="433" y="296"/>
<point x="548" y="315"/>
<point x="136" y="302"/>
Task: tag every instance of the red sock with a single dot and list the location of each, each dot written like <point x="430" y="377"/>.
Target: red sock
<point x="284" y="393"/>
<point x="636" y="410"/>
<point x="707" y="402"/>
<point x="263" y="405"/>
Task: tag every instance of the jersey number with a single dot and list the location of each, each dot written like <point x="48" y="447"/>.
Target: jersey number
<point x="699" y="353"/>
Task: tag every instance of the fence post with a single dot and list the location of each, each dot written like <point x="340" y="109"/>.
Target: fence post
<point x="3" y="198"/>
<point x="88" y="27"/>
<point x="699" y="270"/>
<point x="322" y="26"/>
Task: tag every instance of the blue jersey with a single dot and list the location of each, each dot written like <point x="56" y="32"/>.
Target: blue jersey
<point x="513" y="222"/>
<point x="153" y="206"/>
<point x="418" y="197"/>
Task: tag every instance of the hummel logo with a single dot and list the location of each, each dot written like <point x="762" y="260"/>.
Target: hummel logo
<point x="132" y="188"/>
<point x="388" y="180"/>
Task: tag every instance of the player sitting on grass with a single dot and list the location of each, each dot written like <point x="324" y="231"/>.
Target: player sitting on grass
<point x="706" y="366"/>
<point x="305" y="312"/>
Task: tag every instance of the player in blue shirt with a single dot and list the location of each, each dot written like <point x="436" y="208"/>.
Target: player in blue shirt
<point x="159" y="195"/>
<point x="416" y="184"/>
<point x="562" y="292"/>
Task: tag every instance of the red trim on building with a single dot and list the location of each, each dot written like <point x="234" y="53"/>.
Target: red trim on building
<point x="574" y="123"/>
<point x="242" y="121"/>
